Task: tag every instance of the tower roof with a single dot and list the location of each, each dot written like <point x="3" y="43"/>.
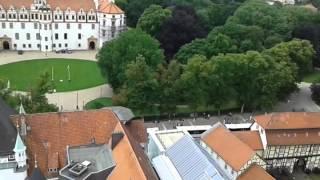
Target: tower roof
<point x="109" y="8"/>
<point x="19" y="146"/>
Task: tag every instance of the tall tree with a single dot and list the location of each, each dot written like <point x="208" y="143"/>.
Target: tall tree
<point x="169" y="86"/>
<point x="152" y="19"/>
<point x="180" y="29"/>
<point x="114" y="57"/>
<point x="140" y="85"/>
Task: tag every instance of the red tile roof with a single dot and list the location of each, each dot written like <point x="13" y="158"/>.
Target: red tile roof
<point x="138" y="130"/>
<point x="251" y="138"/>
<point x="51" y="133"/>
<point x="255" y="172"/>
<point x="231" y="149"/>
<point x="293" y="137"/>
<point x="289" y="120"/>
<point x="109" y="8"/>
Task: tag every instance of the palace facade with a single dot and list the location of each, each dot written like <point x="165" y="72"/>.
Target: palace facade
<point x="50" y="25"/>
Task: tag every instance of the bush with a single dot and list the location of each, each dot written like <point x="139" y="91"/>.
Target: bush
<point x="315" y="90"/>
<point x="307" y="171"/>
<point x="316" y="170"/>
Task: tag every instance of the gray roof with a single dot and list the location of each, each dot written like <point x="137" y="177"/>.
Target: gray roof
<point x="8" y="132"/>
<point x="100" y="157"/>
<point x="190" y="162"/>
<point x="123" y="113"/>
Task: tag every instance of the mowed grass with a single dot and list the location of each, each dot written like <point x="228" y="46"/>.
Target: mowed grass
<point x="313" y="77"/>
<point x="99" y="103"/>
<point x="25" y="74"/>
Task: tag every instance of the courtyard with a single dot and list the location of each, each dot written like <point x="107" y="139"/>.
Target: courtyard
<point x="66" y="74"/>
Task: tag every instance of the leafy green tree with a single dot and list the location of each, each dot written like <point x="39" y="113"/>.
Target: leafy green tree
<point x="193" y="82"/>
<point x="114" y="57"/>
<point x="152" y="19"/>
<point x="208" y="47"/>
<point x="140" y="85"/>
<point x="299" y="52"/>
<point x="169" y="87"/>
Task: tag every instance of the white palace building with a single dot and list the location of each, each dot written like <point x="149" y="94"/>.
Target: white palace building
<point x="49" y="25"/>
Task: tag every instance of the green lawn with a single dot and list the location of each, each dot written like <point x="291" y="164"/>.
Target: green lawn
<point x="23" y="75"/>
<point x="313" y="77"/>
<point x="99" y="103"/>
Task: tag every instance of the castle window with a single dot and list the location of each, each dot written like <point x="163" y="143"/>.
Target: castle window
<point x="32" y="16"/>
<point x="65" y="36"/>
<point x="38" y="36"/>
<point x="45" y="27"/>
<point x="24" y="46"/>
<point x="68" y="26"/>
<point x="26" y="16"/>
<point x="23" y="25"/>
<point x="55" y="16"/>
<point x="15" y="45"/>
<point x="45" y="17"/>
<point x="35" y="25"/>
<point x="21" y="16"/>
<point x="67" y="17"/>
<point x="79" y="26"/>
<point x="36" y="16"/>
<point x="3" y="25"/>
<point x="38" y="45"/>
<point x="46" y="38"/>
<point x="113" y="23"/>
<point x="56" y="36"/>
<point x="59" y="45"/>
<point x="11" y="25"/>
<point x="79" y="36"/>
<point x="56" y="26"/>
<point x="112" y="34"/>
<point x="93" y="26"/>
<point x="72" y="17"/>
<point x="65" y="45"/>
<point x="28" y="36"/>
<point x="3" y="16"/>
<point x="17" y="36"/>
<point x="29" y="45"/>
<point x="104" y="23"/>
<point x="103" y="33"/>
<point x="10" y="16"/>
<point x="79" y="45"/>
<point x="14" y="16"/>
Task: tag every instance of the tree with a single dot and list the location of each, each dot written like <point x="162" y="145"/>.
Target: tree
<point x="140" y="85"/>
<point x="38" y="101"/>
<point x="299" y="52"/>
<point x="194" y="82"/>
<point x="114" y="57"/>
<point x="169" y="87"/>
<point x="180" y="29"/>
<point x="315" y="90"/>
<point x="134" y="9"/>
<point x="208" y="47"/>
<point x="152" y="19"/>
<point x="310" y="32"/>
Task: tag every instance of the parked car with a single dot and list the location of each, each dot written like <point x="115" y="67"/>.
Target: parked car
<point x="20" y="52"/>
<point x="68" y="51"/>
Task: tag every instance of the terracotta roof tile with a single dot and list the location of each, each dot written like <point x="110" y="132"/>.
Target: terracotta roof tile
<point x="293" y="137"/>
<point x="76" y="5"/>
<point x="55" y="131"/>
<point x="289" y="120"/>
<point x="109" y="8"/>
<point x="128" y="166"/>
<point x="255" y="172"/>
<point x="138" y="130"/>
<point x="16" y="3"/>
<point x="231" y="149"/>
<point x="251" y="138"/>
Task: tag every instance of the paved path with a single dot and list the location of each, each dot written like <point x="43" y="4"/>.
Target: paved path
<point x="12" y="56"/>
<point x="66" y="101"/>
<point x="299" y="101"/>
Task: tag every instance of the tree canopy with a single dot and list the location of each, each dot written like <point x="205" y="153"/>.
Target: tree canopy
<point x="152" y="19"/>
<point x="114" y="57"/>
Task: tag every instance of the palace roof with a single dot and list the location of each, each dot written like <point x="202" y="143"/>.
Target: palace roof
<point x="109" y="8"/>
<point x="50" y="134"/>
<point x="251" y="138"/>
<point x="255" y="171"/>
<point x="75" y="5"/>
<point x="231" y="149"/>
<point x="289" y="120"/>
